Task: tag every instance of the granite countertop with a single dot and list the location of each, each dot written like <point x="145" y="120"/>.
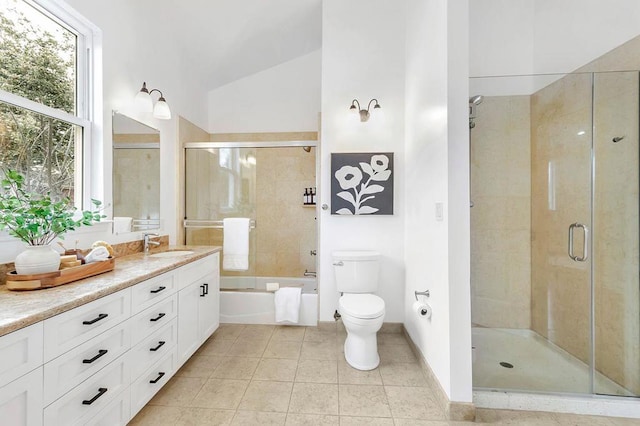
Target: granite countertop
<point x="20" y="309"/>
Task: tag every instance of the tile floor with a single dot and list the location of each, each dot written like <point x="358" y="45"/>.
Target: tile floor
<point x="278" y="375"/>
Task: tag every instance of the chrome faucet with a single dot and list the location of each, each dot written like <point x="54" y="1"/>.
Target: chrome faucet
<point x="146" y="241"/>
<point x="309" y="273"/>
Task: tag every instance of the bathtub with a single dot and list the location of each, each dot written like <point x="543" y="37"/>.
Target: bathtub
<point x="242" y="305"/>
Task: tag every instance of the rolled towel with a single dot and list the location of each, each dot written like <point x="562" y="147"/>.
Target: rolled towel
<point x="287" y="304"/>
<point x="97" y="254"/>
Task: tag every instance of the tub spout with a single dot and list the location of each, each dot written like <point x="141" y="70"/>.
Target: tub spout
<point x="309" y="273"/>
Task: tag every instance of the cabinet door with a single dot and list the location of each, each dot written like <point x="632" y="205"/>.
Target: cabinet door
<point x="188" y="302"/>
<point x="21" y="400"/>
<point x="208" y="307"/>
<point x="20" y="352"/>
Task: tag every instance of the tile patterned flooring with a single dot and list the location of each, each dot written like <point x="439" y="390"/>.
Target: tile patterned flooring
<point x="279" y="375"/>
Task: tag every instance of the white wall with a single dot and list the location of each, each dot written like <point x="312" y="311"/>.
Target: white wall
<point x="137" y="50"/>
<point x="571" y="33"/>
<point x="519" y="38"/>
<point x="501" y="37"/>
<point x="437" y="156"/>
<point x="285" y="98"/>
<point x="363" y="44"/>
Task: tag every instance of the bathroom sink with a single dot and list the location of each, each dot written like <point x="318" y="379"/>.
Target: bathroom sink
<point x="172" y="253"/>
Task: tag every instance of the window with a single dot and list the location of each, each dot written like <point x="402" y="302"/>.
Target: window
<point x="45" y="114"/>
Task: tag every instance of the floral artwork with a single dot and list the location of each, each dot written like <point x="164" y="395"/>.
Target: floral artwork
<point x="362" y="183"/>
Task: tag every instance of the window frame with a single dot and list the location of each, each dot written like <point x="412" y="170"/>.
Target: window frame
<point x="88" y="116"/>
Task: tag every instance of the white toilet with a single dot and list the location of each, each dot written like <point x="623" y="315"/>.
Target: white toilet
<point x="362" y="311"/>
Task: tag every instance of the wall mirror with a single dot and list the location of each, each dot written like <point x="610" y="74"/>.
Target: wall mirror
<point x="136" y="175"/>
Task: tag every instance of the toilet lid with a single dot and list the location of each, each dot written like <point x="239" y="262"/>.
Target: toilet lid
<point x="361" y="305"/>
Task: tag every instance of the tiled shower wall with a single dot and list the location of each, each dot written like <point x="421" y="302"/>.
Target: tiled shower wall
<point x="287" y="229"/>
<point x="500" y="217"/>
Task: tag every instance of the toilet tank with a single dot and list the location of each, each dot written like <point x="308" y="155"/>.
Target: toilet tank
<point x="356" y="271"/>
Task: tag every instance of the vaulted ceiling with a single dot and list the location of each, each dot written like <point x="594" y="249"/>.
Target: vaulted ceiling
<point x="224" y="40"/>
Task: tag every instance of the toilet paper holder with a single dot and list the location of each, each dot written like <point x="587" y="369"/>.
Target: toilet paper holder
<point x="421" y="293"/>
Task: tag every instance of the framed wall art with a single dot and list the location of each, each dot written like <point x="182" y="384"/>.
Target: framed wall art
<point x="362" y="183"/>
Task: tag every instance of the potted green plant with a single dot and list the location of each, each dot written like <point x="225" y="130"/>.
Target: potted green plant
<point x="38" y="220"/>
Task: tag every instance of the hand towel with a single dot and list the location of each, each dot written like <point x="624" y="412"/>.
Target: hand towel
<point x="122" y="224"/>
<point x="235" y="245"/>
<point x="287" y="303"/>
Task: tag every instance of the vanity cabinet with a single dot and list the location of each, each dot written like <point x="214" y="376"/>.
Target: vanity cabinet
<point x="100" y="363"/>
<point x="198" y="304"/>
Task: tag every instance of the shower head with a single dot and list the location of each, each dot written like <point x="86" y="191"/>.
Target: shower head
<point x="476" y="100"/>
<point x="307" y="148"/>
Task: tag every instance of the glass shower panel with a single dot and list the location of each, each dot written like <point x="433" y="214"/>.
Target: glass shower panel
<point x="615" y="234"/>
<point x="221" y="183"/>
<point x="561" y="135"/>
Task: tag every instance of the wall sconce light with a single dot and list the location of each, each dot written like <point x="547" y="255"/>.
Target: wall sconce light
<point x="145" y="103"/>
<point x="364" y="113"/>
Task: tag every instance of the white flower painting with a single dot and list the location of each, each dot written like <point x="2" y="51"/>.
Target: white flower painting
<point x="362" y="183"/>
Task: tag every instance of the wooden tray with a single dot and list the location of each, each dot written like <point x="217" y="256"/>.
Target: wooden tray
<point x="54" y="279"/>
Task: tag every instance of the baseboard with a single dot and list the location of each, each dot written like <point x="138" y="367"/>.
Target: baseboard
<point x="455" y="411"/>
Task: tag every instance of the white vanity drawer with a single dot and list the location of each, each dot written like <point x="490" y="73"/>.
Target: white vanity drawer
<point x="116" y="413"/>
<point x="152" y="380"/>
<point x="91" y="396"/>
<point x="153" y="318"/>
<point x="71" y="328"/>
<point x="194" y="271"/>
<point x="152" y="348"/>
<point x="73" y="367"/>
<point x="151" y="291"/>
<point x="20" y="352"/>
<point x="21" y="400"/>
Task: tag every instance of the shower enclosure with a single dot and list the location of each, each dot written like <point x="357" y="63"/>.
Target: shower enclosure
<point x="263" y="181"/>
<point x="555" y="233"/>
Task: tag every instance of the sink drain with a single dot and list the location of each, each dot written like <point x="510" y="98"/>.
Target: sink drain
<point x="506" y="364"/>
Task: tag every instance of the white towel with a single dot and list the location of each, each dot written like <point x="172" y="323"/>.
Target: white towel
<point x="122" y="224"/>
<point x="235" y="245"/>
<point x="287" y="301"/>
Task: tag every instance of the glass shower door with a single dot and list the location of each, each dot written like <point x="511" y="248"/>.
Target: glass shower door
<point x="220" y="183"/>
<point x="561" y="141"/>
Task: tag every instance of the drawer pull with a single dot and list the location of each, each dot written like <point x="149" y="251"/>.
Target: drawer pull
<point x="160" y="375"/>
<point x="96" y="319"/>
<point x="206" y="288"/>
<point x="160" y="315"/>
<point x="158" y="290"/>
<point x="101" y="352"/>
<point x="101" y="391"/>
<point x="160" y="344"/>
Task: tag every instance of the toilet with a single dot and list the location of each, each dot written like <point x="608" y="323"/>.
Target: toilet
<point x="362" y="312"/>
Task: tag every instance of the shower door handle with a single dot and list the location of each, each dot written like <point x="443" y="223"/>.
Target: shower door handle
<point x="570" y="245"/>
<point x="585" y="242"/>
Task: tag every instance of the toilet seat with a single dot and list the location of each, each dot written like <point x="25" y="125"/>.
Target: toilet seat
<point x="362" y="305"/>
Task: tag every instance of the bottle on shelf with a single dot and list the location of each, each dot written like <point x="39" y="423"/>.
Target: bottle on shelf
<point x="305" y="198"/>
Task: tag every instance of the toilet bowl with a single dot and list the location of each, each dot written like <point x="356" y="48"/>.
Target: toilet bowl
<point x="362" y="316"/>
